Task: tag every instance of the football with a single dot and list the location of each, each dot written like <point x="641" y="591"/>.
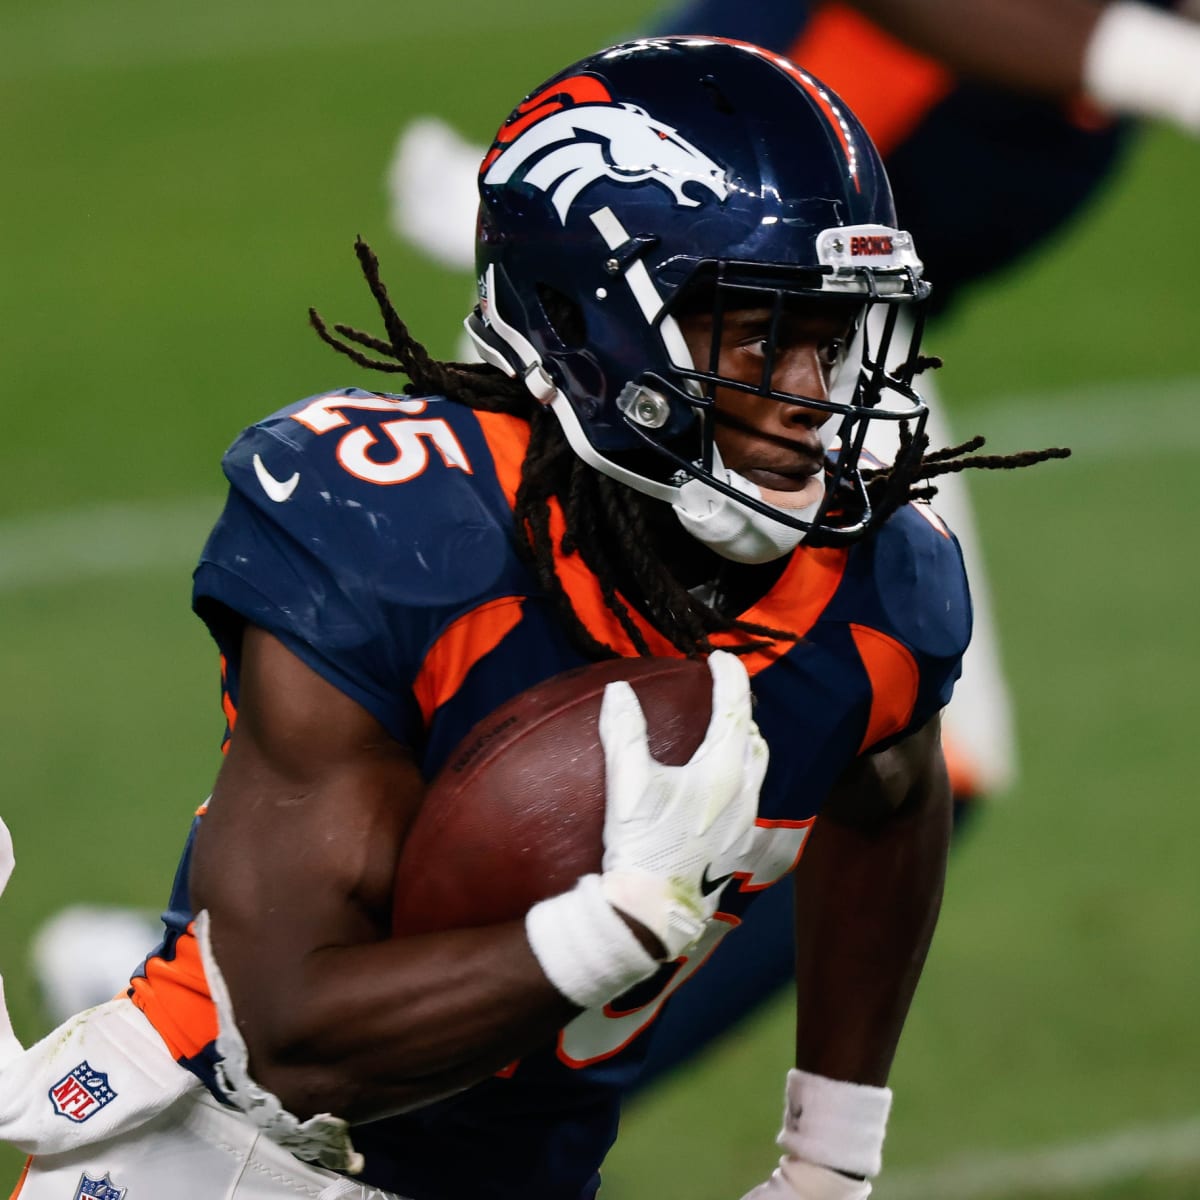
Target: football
<point x="516" y="814"/>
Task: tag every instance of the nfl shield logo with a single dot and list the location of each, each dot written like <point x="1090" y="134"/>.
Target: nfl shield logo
<point x="97" y="1189"/>
<point x="81" y="1094"/>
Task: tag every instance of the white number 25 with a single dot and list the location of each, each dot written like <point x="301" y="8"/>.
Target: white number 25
<point x="409" y="439"/>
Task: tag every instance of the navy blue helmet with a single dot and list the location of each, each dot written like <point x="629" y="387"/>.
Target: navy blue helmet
<point x="665" y="174"/>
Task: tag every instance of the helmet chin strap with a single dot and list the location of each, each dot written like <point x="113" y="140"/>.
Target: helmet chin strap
<point x="732" y="530"/>
<point x="735" y="531"/>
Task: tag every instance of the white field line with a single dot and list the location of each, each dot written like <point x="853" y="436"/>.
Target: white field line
<point x="1101" y="424"/>
<point x="70" y="547"/>
<point x="1073" y="1167"/>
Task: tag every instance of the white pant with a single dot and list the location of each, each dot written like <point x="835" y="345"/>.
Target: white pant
<point x="194" y="1150"/>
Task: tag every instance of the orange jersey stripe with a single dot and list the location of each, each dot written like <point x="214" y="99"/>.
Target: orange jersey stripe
<point x="791" y="606"/>
<point x="587" y="599"/>
<point x="507" y="439"/>
<point x="794" y="604"/>
<point x="461" y="645"/>
<point x="174" y="996"/>
<point x="227" y="706"/>
<point x="888" y="86"/>
<point x="894" y="680"/>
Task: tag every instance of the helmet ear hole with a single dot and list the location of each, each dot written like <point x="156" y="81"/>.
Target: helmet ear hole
<point x="564" y="316"/>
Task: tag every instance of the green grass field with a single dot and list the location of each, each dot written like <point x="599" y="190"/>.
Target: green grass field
<point x="183" y="183"/>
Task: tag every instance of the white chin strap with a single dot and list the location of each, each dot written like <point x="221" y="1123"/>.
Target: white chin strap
<point x="732" y="530"/>
<point x="736" y="531"/>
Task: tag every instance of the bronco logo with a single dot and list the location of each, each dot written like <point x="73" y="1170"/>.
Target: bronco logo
<point x="563" y="147"/>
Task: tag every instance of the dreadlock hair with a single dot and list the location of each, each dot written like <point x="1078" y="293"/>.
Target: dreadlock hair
<point x="890" y="488"/>
<point x="608" y="524"/>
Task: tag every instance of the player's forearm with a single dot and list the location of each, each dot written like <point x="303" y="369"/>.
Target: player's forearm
<point x="1033" y="46"/>
<point x="868" y="890"/>
<point x="867" y="903"/>
<point x="367" y="1031"/>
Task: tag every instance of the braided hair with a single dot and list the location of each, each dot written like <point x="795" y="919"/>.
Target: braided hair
<point x="611" y="526"/>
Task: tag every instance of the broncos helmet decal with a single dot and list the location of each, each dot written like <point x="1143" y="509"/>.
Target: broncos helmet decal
<point x="561" y="149"/>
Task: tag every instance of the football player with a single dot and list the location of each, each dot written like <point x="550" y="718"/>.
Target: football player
<point x="679" y="240"/>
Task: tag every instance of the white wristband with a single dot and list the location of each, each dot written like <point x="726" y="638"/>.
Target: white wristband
<point x="1144" y="62"/>
<point x="835" y="1124"/>
<point x="585" y="948"/>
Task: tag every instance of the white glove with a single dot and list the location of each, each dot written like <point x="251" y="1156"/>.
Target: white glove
<point x="672" y="838"/>
<point x="674" y="835"/>
<point x="1144" y="62"/>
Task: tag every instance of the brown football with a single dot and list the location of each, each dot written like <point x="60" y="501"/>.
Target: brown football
<point x="516" y="814"/>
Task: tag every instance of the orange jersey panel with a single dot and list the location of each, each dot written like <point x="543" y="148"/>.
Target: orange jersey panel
<point x="460" y="647"/>
<point x="174" y="996"/>
<point x="894" y="681"/>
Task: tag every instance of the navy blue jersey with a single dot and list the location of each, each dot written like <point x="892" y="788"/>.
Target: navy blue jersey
<point x="374" y="536"/>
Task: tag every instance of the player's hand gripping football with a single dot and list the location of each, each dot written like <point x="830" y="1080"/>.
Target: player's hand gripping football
<point x="674" y="835"/>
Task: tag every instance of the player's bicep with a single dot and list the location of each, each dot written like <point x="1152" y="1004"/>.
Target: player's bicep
<point x="312" y="803"/>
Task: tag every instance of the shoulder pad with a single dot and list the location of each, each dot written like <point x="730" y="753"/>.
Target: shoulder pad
<point x="920" y="582"/>
<point x="396" y="492"/>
